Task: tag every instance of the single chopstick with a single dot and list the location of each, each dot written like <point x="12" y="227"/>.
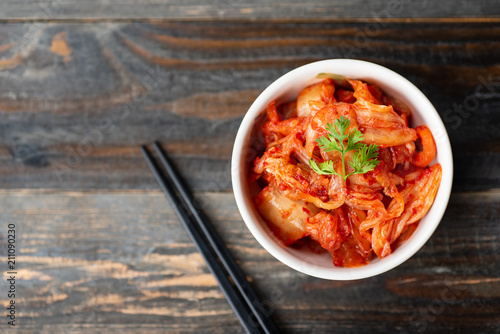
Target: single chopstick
<point x="251" y="298"/>
<point x="235" y="300"/>
<point x="238" y="300"/>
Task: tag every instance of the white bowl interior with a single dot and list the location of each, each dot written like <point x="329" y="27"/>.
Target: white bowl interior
<point x="286" y="89"/>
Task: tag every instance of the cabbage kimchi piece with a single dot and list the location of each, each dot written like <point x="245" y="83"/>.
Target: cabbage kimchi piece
<point x="418" y="197"/>
<point x="285" y="217"/>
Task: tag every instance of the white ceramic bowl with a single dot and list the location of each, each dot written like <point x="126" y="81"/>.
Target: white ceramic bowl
<point x="286" y="89"/>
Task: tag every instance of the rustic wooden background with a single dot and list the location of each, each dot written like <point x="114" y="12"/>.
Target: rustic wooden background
<point x="83" y="84"/>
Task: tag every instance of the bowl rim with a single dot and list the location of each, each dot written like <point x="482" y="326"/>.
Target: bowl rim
<point x="398" y="85"/>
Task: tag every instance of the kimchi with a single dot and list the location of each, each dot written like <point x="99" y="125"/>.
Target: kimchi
<point x="354" y="217"/>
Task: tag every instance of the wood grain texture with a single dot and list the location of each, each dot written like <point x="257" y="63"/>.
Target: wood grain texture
<point x="243" y="9"/>
<point x="105" y="261"/>
<point x="76" y="100"/>
<point x="84" y="83"/>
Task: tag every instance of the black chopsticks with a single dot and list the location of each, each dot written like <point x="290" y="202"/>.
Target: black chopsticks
<point x="248" y="308"/>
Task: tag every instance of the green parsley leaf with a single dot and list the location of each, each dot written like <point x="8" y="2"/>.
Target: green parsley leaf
<point x="360" y="160"/>
<point x="324" y="168"/>
<point x="363" y="159"/>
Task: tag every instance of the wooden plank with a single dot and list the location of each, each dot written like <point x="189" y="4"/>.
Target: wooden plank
<point x="100" y="261"/>
<point x="242" y="9"/>
<point x="76" y="100"/>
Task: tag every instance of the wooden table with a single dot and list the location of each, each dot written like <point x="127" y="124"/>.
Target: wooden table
<point x="99" y="249"/>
